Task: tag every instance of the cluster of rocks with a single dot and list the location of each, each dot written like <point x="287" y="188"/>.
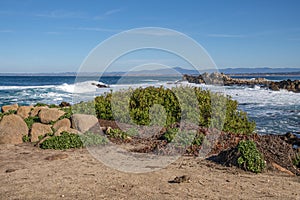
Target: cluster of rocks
<point x="222" y="79"/>
<point x="289" y="85"/>
<point x="293" y="139"/>
<point x="51" y="121"/>
<point x="100" y="85"/>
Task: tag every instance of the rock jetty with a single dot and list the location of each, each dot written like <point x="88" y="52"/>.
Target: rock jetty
<point x="223" y="79"/>
<point x="289" y="85"/>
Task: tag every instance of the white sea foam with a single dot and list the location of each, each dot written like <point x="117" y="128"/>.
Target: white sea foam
<point x="80" y="87"/>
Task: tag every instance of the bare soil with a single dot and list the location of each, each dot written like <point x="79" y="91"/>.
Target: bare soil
<point x="27" y="172"/>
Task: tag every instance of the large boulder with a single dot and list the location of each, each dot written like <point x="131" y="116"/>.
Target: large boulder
<point x="49" y="115"/>
<point x="62" y="123"/>
<point x="35" y="111"/>
<point x="12" y="129"/>
<point x="39" y="129"/>
<point x="10" y="107"/>
<point x="82" y="122"/>
<point x="24" y="111"/>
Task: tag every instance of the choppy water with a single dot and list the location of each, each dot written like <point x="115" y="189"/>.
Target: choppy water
<point x="275" y="112"/>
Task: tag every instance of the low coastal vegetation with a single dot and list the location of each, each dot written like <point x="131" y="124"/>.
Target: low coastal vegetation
<point x="250" y="158"/>
<point x="7" y="113"/>
<point x="296" y="160"/>
<point x="138" y="108"/>
<point x="31" y="120"/>
<point x="117" y="133"/>
<point x="211" y="110"/>
<point x="69" y="140"/>
<point x="184" y="137"/>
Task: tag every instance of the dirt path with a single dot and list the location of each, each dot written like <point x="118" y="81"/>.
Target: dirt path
<point x="25" y="173"/>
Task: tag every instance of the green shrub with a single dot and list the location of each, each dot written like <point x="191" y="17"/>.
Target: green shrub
<point x="236" y="120"/>
<point x="250" y="158"/>
<point x="170" y="134"/>
<point x="132" y="132"/>
<point x="7" y="113"/>
<point x="103" y="106"/>
<point x="31" y="120"/>
<point x="40" y="137"/>
<point x="68" y="140"/>
<point x="184" y="138"/>
<point x="53" y="106"/>
<point x="64" y="141"/>
<point x="84" y="108"/>
<point x="296" y="160"/>
<point x="199" y="138"/>
<point x="39" y="104"/>
<point x="117" y="133"/>
<point x="11" y="112"/>
<point x="68" y="113"/>
<point x="142" y="99"/>
<point x="26" y="138"/>
<point x="91" y="139"/>
<point x="195" y="105"/>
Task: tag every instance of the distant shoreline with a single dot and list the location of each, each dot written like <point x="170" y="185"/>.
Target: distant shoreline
<point x="265" y="74"/>
<point x="175" y="71"/>
<point x="147" y="75"/>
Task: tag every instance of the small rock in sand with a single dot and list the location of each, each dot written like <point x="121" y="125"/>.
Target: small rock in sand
<point x="181" y="179"/>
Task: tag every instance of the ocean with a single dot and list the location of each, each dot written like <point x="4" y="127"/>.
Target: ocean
<point x="275" y="112"/>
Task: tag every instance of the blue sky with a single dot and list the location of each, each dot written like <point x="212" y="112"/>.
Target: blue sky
<point x="56" y="36"/>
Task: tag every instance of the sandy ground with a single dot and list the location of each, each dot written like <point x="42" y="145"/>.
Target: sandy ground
<point x="26" y="174"/>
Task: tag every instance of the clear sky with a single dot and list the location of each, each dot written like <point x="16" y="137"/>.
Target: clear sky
<point x="56" y="35"/>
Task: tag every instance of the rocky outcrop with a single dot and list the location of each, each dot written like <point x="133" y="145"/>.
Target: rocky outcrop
<point x="50" y="115"/>
<point x="7" y="108"/>
<point x="82" y="122"/>
<point x="222" y="79"/>
<point x="12" y="129"/>
<point x="289" y="85"/>
<point x="100" y="85"/>
<point x="24" y="111"/>
<point x="39" y="129"/>
<point x="293" y="139"/>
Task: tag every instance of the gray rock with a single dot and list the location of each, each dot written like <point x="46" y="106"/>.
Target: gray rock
<point x="82" y="122"/>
